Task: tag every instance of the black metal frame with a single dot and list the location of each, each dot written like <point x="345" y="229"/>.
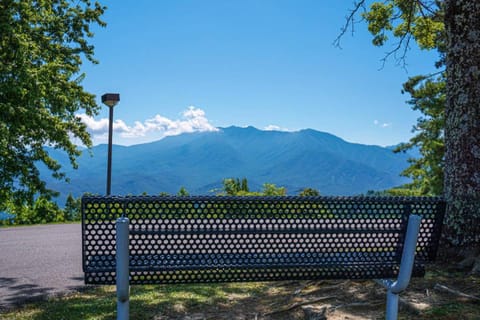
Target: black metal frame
<point x="236" y="239"/>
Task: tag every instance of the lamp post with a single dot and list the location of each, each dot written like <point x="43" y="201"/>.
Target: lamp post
<point x="110" y="99"/>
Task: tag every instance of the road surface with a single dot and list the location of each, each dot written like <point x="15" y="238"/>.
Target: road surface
<point x="39" y="261"/>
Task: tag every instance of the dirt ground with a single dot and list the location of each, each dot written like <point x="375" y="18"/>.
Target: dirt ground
<point x="442" y="294"/>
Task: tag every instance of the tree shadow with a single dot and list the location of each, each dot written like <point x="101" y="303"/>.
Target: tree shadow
<point x="230" y="301"/>
<point x="16" y="292"/>
<point x="339" y="299"/>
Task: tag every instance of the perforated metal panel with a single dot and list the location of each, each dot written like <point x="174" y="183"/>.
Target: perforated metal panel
<point x="226" y="239"/>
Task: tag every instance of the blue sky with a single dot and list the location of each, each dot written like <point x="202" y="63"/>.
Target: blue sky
<point x="184" y="66"/>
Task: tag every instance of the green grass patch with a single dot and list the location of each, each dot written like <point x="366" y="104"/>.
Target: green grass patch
<point x="453" y="310"/>
<point x="146" y="302"/>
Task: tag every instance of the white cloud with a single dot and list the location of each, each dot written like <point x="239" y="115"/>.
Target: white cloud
<point x="382" y="125"/>
<point x="193" y="120"/>
<point x="272" y="127"/>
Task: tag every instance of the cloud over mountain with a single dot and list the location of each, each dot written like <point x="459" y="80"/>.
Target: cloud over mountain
<point x="193" y="120"/>
<point x="272" y="127"/>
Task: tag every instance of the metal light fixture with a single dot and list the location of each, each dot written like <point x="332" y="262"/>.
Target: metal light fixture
<point x="111" y="100"/>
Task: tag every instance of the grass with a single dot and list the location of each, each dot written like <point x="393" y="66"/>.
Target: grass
<point x="246" y="300"/>
<point x="146" y="302"/>
<point x="453" y="310"/>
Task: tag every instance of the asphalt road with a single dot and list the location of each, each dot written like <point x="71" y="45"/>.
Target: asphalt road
<point x="39" y="261"/>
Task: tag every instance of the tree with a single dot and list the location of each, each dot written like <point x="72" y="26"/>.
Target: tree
<point x="244" y="185"/>
<point x="235" y="187"/>
<point x="41" y="48"/>
<point x="462" y="122"/>
<point x="426" y="171"/>
<point x="72" y="210"/>
<point x="415" y="20"/>
<point x="230" y="187"/>
<point x="16" y="213"/>
<point x="183" y="192"/>
<point x="42" y="211"/>
<point x="46" y="211"/>
<point x="24" y="214"/>
<point x="270" y="189"/>
<point x="406" y="20"/>
<point x="452" y="26"/>
<point x="377" y="193"/>
<point x="309" y="192"/>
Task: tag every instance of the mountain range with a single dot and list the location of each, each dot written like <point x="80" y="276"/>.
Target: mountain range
<point x="200" y="161"/>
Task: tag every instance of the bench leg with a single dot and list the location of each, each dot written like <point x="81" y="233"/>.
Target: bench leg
<point x="392" y="306"/>
<point x="406" y="266"/>
<point x="122" y="270"/>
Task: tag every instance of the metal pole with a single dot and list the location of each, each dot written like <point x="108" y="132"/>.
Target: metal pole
<point x="392" y="306"/>
<point x="122" y="269"/>
<point x="109" y="163"/>
<point x="406" y="267"/>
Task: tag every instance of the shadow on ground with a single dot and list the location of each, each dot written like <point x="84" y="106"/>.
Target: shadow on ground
<point x="18" y="292"/>
<point x="278" y="300"/>
<point x="319" y="300"/>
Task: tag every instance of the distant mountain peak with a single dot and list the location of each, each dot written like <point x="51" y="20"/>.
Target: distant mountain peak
<point x="238" y="128"/>
<point x="200" y="161"/>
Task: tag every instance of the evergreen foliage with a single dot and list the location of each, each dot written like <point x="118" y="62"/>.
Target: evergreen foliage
<point x="237" y="187"/>
<point x="72" y="208"/>
<point x="427" y="171"/>
<point x="309" y="192"/>
<point x="270" y="189"/>
<point x="183" y="192"/>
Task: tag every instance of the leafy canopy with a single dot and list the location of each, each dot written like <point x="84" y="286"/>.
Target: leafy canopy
<point x="422" y="22"/>
<point x="405" y="19"/>
<point x="42" y="44"/>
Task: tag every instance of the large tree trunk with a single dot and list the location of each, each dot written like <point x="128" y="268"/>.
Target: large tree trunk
<point x="462" y="127"/>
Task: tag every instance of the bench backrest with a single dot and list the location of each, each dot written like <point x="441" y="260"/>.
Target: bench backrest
<point x="230" y="239"/>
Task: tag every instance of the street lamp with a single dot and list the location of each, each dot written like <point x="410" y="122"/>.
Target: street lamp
<point x="110" y="99"/>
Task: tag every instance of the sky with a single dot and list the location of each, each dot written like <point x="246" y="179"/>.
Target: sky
<point x="187" y="65"/>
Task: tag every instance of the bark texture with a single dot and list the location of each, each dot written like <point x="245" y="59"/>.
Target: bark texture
<point x="462" y="127"/>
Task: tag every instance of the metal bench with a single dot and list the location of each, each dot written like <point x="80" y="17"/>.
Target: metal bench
<point x="168" y="240"/>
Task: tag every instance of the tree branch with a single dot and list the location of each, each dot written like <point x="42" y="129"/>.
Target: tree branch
<point x="404" y="40"/>
<point x="443" y="288"/>
<point x="350" y="21"/>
